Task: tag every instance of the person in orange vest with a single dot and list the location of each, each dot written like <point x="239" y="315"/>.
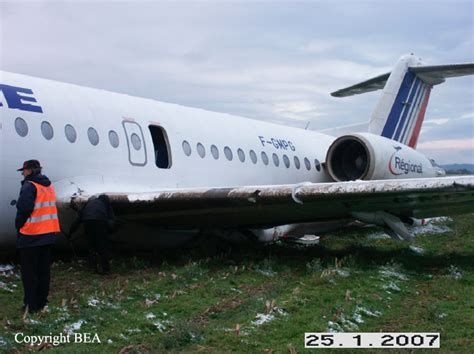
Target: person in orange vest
<point x="37" y="224"/>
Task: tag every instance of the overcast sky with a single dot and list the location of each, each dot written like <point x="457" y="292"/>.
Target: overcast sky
<point x="268" y="60"/>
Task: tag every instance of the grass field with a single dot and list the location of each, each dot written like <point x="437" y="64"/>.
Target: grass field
<point x="259" y="300"/>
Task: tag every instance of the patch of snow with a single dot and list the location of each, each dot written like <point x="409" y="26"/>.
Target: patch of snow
<point x="391" y="286"/>
<point x="392" y="272"/>
<point x="133" y="330"/>
<point x="367" y="312"/>
<point x="351" y="323"/>
<point x="70" y="329"/>
<point x="3" y="342"/>
<point x="6" y="270"/>
<point x="160" y="326"/>
<point x="440" y="219"/>
<point x="334" y="327"/>
<point x="342" y="272"/>
<point x="347" y="323"/>
<point x="262" y="318"/>
<point x="378" y="236"/>
<point x="455" y="272"/>
<point x="93" y="302"/>
<point x="417" y="250"/>
<point x="330" y="272"/>
<point x="280" y="311"/>
<point x="357" y="317"/>
<point x="266" y="272"/>
<point x="429" y="228"/>
<point x="150" y="316"/>
<point x="5" y="287"/>
<point x="65" y="316"/>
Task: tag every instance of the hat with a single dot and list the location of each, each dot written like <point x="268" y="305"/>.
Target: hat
<point x="30" y="164"/>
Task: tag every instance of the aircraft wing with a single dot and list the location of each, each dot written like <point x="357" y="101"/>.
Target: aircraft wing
<point x="265" y="206"/>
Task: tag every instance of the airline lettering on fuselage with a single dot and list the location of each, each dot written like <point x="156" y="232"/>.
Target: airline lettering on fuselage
<point x="17" y="98"/>
<point x="398" y="166"/>
<point x="277" y="143"/>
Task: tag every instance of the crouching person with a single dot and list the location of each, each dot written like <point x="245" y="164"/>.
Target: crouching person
<point x="37" y="224"/>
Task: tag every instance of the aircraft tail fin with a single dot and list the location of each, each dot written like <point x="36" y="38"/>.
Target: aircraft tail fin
<point x="400" y="112"/>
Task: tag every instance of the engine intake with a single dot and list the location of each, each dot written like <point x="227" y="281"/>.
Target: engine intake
<point x="368" y="157"/>
<point x="348" y="159"/>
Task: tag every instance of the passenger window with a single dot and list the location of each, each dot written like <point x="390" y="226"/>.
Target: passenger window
<point x="241" y="154"/>
<point x="264" y="158"/>
<point x="286" y="161"/>
<point x="276" y="160"/>
<point x="228" y="153"/>
<point x="215" y="151"/>
<point x="297" y="162"/>
<point x="136" y="141"/>
<point x="307" y="163"/>
<point x="21" y="127"/>
<point x="70" y="132"/>
<point x="113" y="139"/>
<point x="201" y="150"/>
<point x="93" y="136"/>
<point x="186" y="148"/>
<point x="253" y="156"/>
<point x="47" y="130"/>
<point x="161" y="147"/>
<point x="317" y="165"/>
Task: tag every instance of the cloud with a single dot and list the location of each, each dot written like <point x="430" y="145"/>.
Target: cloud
<point x="275" y="61"/>
<point x="448" y="144"/>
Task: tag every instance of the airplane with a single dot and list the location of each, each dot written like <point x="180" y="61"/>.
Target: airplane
<point x="174" y="173"/>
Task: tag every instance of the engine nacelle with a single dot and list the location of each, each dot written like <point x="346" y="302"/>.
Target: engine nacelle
<point x="370" y="157"/>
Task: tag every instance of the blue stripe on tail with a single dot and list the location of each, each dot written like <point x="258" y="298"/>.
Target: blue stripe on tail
<point x="402" y="96"/>
<point x="408" y="107"/>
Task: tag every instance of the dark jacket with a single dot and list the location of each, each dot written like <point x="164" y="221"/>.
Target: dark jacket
<point x="98" y="209"/>
<point x="25" y="205"/>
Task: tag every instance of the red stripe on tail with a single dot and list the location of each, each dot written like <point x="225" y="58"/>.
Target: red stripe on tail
<point x="419" y="121"/>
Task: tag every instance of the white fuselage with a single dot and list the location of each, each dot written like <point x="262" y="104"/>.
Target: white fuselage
<point x="101" y="168"/>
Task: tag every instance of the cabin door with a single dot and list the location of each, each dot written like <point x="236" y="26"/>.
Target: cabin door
<point x="135" y="143"/>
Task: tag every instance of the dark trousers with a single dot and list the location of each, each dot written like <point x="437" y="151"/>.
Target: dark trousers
<point x="96" y="232"/>
<point x="35" y="275"/>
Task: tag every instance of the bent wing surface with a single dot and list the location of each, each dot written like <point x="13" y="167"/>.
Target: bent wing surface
<point x="265" y="206"/>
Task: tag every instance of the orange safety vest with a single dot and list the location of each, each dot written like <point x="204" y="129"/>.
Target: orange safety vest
<point x="44" y="218"/>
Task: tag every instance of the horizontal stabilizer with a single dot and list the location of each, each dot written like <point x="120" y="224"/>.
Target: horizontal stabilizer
<point x="373" y="84"/>
<point x="436" y="74"/>
<point x="430" y="74"/>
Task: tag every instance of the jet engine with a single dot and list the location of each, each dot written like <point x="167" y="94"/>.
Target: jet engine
<point x="367" y="156"/>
